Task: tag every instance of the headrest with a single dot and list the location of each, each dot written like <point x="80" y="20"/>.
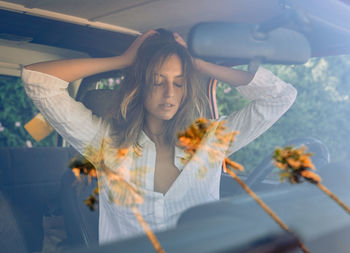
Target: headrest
<point x="100" y="101"/>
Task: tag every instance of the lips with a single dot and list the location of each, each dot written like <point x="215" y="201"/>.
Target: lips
<point x="167" y="106"/>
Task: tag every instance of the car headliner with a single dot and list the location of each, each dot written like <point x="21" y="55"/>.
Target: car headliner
<point x="118" y="21"/>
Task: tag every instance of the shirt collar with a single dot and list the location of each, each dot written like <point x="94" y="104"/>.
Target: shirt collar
<point x="143" y="139"/>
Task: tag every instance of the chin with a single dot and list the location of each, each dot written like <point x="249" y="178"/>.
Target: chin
<point x="168" y="118"/>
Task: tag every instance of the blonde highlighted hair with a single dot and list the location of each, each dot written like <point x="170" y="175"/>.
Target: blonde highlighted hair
<point x="127" y="116"/>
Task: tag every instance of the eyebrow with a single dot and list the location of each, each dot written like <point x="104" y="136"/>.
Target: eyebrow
<point x="182" y="75"/>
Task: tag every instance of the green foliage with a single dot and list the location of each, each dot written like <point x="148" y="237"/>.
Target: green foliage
<point x="229" y="99"/>
<point x="110" y="83"/>
<point x="321" y="109"/>
<point x="16" y="109"/>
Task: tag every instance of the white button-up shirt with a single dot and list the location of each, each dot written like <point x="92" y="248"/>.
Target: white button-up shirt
<point x="270" y="99"/>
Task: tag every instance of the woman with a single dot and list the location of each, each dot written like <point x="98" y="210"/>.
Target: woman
<point x="159" y="98"/>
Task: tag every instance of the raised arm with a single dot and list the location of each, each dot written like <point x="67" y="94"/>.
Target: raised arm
<point x="226" y="74"/>
<point x="46" y="84"/>
<point x="73" y="69"/>
<point x="270" y="99"/>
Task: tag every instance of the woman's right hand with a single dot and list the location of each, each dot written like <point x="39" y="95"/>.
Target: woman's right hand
<point x="130" y="54"/>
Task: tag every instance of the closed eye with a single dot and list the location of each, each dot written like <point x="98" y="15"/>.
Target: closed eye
<point x="158" y="84"/>
<point x="178" y="85"/>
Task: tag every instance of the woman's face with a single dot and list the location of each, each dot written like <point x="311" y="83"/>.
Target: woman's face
<point x="164" y="99"/>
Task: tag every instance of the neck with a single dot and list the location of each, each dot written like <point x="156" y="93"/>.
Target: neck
<point x="155" y="131"/>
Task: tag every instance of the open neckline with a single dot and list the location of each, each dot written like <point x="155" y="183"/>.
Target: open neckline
<point x="179" y="177"/>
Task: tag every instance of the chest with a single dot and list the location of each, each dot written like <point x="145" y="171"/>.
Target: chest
<point x="165" y="171"/>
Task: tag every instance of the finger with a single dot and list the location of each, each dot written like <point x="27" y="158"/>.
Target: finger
<point x="179" y="39"/>
<point x="144" y="36"/>
<point x="149" y="32"/>
<point x="177" y="36"/>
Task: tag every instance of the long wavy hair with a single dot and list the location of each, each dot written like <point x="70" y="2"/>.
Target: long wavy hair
<point x="128" y="115"/>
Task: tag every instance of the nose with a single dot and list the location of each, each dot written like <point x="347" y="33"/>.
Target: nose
<point x="169" y="89"/>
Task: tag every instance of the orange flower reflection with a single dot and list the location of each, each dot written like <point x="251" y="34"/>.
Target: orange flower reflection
<point x="191" y="141"/>
<point x="295" y="164"/>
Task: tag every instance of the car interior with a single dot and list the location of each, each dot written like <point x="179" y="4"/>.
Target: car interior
<point x="36" y="183"/>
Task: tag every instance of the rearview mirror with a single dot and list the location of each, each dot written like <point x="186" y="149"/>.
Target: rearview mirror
<point x="243" y="43"/>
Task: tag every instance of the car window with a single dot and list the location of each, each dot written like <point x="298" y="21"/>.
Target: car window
<point x="16" y="110"/>
<point x="321" y="109"/>
<point x="111" y="83"/>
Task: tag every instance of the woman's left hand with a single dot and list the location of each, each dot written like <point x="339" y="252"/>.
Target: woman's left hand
<point x="129" y="55"/>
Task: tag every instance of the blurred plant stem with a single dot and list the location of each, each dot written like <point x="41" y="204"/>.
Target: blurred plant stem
<point x="262" y="204"/>
<point x="149" y="233"/>
<point x="334" y="197"/>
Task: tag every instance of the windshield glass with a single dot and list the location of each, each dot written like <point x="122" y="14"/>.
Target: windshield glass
<point x="154" y="146"/>
<point x="320" y="111"/>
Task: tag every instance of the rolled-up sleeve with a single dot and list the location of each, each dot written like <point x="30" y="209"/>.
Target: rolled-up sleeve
<point x="270" y="99"/>
<point x="71" y="119"/>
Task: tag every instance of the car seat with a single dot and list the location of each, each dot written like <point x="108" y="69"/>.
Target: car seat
<point x="80" y="222"/>
<point x="9" y="226"/>
<point x="30" y="184"/>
